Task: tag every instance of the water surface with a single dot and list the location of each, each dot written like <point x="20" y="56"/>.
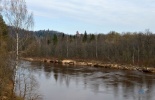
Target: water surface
<point x="57" y="82"/>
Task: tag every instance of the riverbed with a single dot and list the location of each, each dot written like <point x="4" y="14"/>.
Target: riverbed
<point x="57" y="82"/>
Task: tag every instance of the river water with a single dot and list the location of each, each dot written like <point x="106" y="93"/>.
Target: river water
<point x="57" y="82"/>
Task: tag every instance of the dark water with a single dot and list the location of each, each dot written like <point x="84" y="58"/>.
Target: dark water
<point x="57" y="82"/>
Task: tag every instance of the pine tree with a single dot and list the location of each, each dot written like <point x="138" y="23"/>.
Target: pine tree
<point x="85" y="37"/>
<point x="55" y="39"/>
<point x="63" y="35"/>
<point x="92" y="37"/>
<point x="4" y="68"/>
<point x="3" y="27"/>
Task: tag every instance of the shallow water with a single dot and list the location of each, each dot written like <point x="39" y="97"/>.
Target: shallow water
<point x="57" y="82"/>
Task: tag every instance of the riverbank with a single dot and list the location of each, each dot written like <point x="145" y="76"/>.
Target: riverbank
<point x="92" y="64"/>
<point x="8" y="93"/>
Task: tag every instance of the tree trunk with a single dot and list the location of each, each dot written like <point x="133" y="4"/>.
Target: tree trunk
<point x="67" y="46"/>
<point x="17" y="49"/>
<point x="96" y="48"/>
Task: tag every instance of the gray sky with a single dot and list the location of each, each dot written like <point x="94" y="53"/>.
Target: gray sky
<point x="99" y="16"/>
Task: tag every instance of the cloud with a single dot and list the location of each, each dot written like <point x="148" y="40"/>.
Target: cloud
<point x="123" y="12"/>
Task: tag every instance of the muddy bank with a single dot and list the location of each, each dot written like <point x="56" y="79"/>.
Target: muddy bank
<point x="93" y="64"/>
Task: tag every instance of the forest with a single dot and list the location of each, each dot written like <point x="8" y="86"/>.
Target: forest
<point x="135" y="48"/>
<point x="5" y="65"/>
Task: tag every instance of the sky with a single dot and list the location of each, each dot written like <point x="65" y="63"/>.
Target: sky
<point x="93" y="16"/>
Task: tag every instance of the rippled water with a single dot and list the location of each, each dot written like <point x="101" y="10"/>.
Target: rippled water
<point x="57" y="82"/>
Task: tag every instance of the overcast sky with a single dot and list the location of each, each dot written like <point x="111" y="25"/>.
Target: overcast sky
<point x="94" y="16"/>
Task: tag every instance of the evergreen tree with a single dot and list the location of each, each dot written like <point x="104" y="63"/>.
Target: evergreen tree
<point x="63" y="35"/>
<point x="48" y="41"/>
<point x="3" y="33"/>
<point x="4" y="65"/>
<point x="85" y="37"/>
<point x="3" y="27"/>
<point x="92" y="37"/>
<point x="55" y="39"/>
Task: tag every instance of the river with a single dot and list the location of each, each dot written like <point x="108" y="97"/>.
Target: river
<point x="57" y="82"/>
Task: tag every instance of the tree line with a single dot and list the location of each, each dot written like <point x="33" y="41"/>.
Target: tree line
<point x="128" y="47"/>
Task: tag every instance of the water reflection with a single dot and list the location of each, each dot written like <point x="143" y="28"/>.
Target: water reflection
<point x="74" y="82"/>
<point x="26" y="83"/>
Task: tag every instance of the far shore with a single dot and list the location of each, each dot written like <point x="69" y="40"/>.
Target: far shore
<point x="92" y="63"/>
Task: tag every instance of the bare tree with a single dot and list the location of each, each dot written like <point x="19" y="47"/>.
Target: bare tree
<point x="67" y="46"/>
<point x="17" y="16"/>
<point x="96" y="39"/>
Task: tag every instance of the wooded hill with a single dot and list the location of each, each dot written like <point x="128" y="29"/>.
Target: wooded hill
<point x="113" y="47"/>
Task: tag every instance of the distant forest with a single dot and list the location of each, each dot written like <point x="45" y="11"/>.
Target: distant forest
<point x="128" y="47"/>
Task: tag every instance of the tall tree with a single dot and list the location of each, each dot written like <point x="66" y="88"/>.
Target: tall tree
<point x="92" y="37"/>
<point x="17" y="16"/>
<point x="3" y="26"/>
<point x="85" y="37"/>
<point x="5" y="66"/>
<point x="55" y="39"/>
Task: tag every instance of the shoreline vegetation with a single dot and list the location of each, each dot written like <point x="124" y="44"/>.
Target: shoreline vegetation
<point x="92" y="63"/>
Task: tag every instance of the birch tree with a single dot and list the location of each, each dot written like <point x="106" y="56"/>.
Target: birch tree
<point x="18" y="17"/>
